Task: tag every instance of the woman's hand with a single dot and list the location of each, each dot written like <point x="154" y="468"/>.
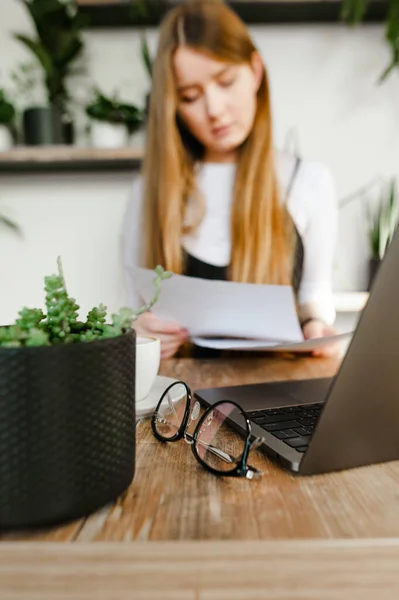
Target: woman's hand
<point x="171" y="334"/>
<point x="317" y="329"/>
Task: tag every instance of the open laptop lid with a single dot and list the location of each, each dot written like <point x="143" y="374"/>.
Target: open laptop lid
<point x="359" y="424"/>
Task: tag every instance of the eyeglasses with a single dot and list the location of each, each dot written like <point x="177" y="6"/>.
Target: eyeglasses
<point x="215" y="442"/>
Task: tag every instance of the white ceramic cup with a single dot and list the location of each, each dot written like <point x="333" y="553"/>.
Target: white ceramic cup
<point x="148" y="358"/>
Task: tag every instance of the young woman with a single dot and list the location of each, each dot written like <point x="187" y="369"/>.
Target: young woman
<point x="215" y="199"/>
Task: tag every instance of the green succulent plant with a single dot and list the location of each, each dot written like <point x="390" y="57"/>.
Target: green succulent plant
<point x="60" y="324"/>
<point x="56" y="45"/>
<point x="111" y="110"/>
<point x="383" y="222"/>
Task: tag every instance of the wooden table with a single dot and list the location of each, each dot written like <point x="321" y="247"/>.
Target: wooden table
<point x="280" y="517"/>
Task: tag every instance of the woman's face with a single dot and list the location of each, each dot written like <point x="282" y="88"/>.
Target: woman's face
<point x="216" y="100"/>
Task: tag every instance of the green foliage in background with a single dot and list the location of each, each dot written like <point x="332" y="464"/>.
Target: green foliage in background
<point x="9" y="224"/>
<point x="143" y="11"/>
<point x="60" y="324"/>
<point x="145" y="55"/>
<point x="354" y="11"/>
<point x="27" y="84"/>
<point x="56" y="45"/>
<point x="383" y="222"/>
<point x="112" y="110"/>
<point x="7" y="110"/>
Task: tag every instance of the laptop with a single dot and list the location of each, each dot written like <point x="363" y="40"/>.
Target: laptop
<point x="329" y="424"/>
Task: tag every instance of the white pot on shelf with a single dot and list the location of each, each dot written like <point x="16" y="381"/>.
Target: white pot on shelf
<point x="6" y="141"/>
<point x="108" y="135"/>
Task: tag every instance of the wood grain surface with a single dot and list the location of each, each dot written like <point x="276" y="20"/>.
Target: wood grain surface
<point x="295" y="570"/>
<point x="173" y="498"/>
<point x="326" y="537"/>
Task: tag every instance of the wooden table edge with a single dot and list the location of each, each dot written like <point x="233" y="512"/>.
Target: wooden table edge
<point x="199" y="570"/>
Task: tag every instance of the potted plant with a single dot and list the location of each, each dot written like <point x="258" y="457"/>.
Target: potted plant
<point x="27" y="90"/>
<point x="7" y="122"/>
<point x="113" y="121"/>
<point x="56" y="45"/>
<point x="382" y="225"/>
<point x="67" y="403"/>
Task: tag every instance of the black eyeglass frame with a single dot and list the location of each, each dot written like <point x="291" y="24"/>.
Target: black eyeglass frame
<point x="242" y="469"/>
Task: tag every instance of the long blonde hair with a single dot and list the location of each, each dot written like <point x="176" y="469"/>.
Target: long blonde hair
<point x="261" y="229"/>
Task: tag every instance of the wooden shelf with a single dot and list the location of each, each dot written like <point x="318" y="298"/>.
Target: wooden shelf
<point x="68" y="158"/>
<point x="119" y="13"/>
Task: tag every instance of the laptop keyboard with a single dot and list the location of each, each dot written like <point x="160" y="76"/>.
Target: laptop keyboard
<point x="293" y="425"/>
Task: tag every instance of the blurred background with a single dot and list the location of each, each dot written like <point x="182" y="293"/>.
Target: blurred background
<point x="74" y="85"/>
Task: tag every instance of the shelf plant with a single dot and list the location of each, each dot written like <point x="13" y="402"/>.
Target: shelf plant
<point x="123" y="116"/>
<point x="67" y="403"/>
<point x="56" y="45"/>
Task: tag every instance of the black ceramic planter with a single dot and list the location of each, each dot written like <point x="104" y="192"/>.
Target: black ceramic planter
<point x="45" y="126"/>
<point x="67" y="429"/>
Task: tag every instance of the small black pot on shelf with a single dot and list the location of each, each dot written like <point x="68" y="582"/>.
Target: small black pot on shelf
<point x="374" y="264"/>
<point x="67" y="429"/>
<point x="46" y="126"/>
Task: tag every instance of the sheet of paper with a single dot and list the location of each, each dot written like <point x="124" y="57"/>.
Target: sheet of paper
<point x="224" y="308"/>
<point x="237" y="344"/>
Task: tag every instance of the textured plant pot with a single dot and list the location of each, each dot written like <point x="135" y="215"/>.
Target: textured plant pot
<point x="108" y="135"/>
<point x="45" y="126"/>
<point x="374" y="264"/>
<point x="6" y="139"/>
<point x="67" y="429"/>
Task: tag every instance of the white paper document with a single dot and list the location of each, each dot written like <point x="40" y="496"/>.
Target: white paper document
<point x="229" y="315"/>
<point x="243" y="344"/>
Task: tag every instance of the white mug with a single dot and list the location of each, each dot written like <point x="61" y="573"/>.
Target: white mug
<point x="148" y="358"/>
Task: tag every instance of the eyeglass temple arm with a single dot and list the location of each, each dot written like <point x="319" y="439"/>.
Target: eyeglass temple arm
<point x="219" y="453"/>
<point x="189" y="438"/>
<point x="227" y="457"/>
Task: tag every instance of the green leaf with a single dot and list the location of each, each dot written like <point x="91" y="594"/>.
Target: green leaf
<point x="383" y="223"/>
<point x="37" y="337"/>
<point x="10" y="224"/>
<point x="392" y="37"/>
<point x="145" y="53"/>
<point x="39" y="51"/>
<point x="111" y="110"/>
<point x="7" y="110"/>
<point x="353" y="11"/>
<point x="57" y="43"/>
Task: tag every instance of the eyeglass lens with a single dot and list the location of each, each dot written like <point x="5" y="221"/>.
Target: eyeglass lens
<point x="171" y="411"/>
<point x="217" y="444"/>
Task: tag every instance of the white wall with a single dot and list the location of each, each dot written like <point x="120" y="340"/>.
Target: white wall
<point x="323" y="81"/>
